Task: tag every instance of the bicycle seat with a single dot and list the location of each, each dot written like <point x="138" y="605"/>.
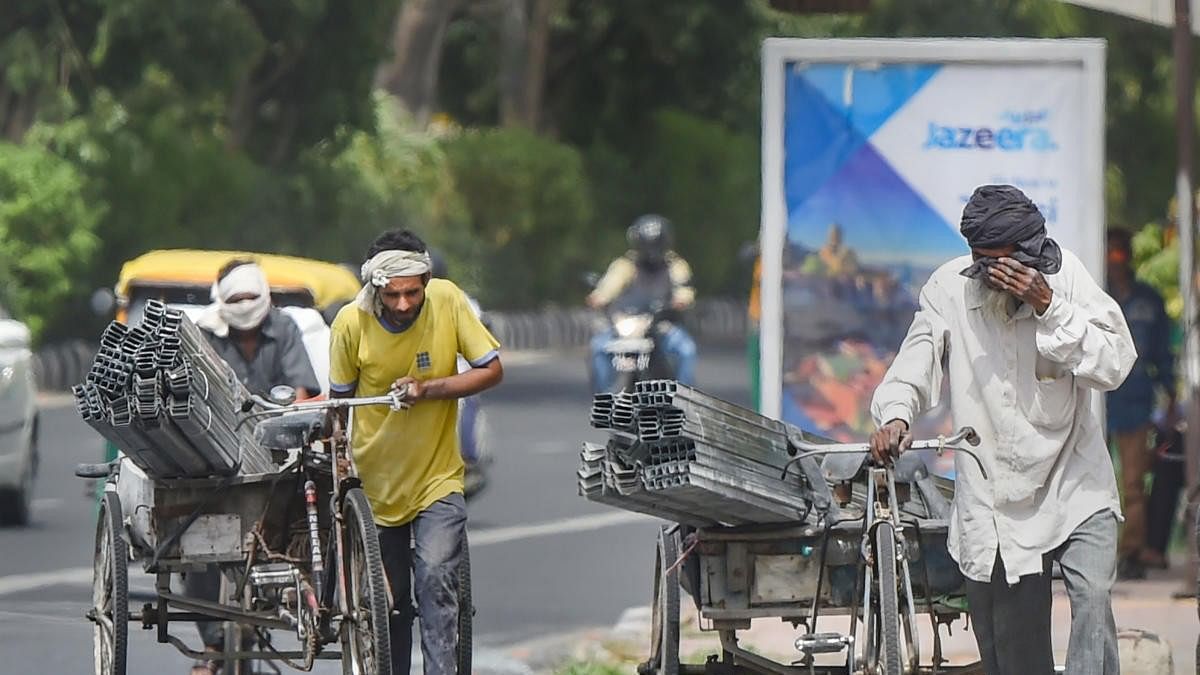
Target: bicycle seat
<point x="291" y="430"/>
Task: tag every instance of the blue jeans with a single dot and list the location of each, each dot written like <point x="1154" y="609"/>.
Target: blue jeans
<point x="676" y="344"/>
<point x="424" y="555"/>
<point x="1012" y="623"/>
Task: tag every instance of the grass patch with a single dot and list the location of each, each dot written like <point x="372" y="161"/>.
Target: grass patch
<point x="591" y="668"/>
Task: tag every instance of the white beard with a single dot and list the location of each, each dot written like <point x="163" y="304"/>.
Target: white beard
<point x="997" y="305"/>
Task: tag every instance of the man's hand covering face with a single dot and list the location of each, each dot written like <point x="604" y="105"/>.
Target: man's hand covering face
<point x="998" y="216"/>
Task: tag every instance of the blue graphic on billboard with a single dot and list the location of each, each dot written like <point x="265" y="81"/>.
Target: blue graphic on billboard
<point x="860" y="240"/>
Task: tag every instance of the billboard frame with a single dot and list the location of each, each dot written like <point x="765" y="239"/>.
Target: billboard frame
<point x="1086" y="54"/>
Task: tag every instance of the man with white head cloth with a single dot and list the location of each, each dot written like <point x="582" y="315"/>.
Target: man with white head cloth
<point x="265" y="348"/>
<point x="1029" y="341"/>
<point x="405" y="331"/>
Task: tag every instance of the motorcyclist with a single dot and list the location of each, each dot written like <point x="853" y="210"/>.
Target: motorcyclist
<point x="650" y="274"/>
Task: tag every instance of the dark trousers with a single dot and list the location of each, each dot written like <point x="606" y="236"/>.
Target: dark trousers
<point x="424" y="556"/>
<point x="1012" y="623"/>
<point x="1164" y="493"/>
<point x="206" y="585"/>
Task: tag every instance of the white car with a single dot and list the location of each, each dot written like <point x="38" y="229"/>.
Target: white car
<point x="18" y="422"/>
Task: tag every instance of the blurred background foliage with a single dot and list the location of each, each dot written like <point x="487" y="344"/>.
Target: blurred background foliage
<point x="519" y="137"/>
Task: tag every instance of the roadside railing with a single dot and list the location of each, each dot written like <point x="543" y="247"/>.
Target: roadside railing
<point x="59" y="365"/>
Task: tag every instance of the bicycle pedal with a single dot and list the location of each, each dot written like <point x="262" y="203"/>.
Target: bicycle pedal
<point x="822" y="643"/>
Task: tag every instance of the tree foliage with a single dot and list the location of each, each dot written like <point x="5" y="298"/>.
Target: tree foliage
<point x="530" y="211"/>
<point x="198" y="124"/>
<point x="46" y="232"/>
<point x="253" y="124"/>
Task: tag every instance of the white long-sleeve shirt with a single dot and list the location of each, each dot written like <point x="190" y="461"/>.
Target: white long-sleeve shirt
<point x="1031" y="387"/>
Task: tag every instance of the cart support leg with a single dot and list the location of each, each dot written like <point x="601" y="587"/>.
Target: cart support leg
<point x="163" y="586"/>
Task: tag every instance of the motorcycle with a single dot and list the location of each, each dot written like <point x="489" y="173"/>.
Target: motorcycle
<point x="634" y="336"/>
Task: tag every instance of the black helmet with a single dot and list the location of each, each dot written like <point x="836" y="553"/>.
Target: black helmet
<point x="650" y="236"/>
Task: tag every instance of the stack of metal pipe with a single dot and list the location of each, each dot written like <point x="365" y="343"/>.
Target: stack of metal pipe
<point x="680" y="454"/>
<point x="161" y="394"/>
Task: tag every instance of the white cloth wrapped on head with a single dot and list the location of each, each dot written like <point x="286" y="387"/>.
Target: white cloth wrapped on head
<point x="387" y="265"/>
<point x="245" y="314"/>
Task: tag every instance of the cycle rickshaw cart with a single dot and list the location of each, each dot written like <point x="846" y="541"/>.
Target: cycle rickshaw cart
<point x="876" y="557"/>
<point x="285" y="520"/>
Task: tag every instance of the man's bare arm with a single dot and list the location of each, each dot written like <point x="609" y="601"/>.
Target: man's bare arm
<point x="462" y="385"/>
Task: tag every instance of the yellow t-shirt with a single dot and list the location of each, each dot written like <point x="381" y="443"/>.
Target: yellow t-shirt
<point x="410" y="459"/>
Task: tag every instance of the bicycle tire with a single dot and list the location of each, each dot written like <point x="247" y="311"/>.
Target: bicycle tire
<point x="664" y="620"/>
<point x="110" y="590"/>
<point x="365" y="651"/>
<point x="889" y="600"/>
<point x="466" y="611"/>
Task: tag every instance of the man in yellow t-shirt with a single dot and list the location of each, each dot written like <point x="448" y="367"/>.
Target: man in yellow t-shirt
<point x="406" y="330"/>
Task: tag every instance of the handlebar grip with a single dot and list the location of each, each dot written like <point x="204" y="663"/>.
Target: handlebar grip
<point x="970" y="436"/>
<point x="93" y="470"/>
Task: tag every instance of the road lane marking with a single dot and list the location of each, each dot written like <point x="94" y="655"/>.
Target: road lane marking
<point x="46" y="504"/>
<point x="19" y="583"/>
<point x="55" y="400"/>
<point x="75" y="576"/>
<point x="502" y="535"/>
<point x="67" y="619"/>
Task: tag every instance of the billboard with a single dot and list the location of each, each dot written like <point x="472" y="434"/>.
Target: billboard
<point x="870" y="150"/>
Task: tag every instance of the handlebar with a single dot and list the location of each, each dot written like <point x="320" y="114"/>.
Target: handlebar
<point x="394" y="399"/>
<point x="939" y="444"/>
<point x="95" y="470"/>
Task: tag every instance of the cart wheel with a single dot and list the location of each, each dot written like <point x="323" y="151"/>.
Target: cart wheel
<point x="466" y="611"/>
<point x="110" y="591"/>
<point x="366" y="647"/>
<point x="889" y="602"/>
<point x="664" y="622"/>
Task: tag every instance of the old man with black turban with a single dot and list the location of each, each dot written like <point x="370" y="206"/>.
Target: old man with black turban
<point x="1029" y="341"/>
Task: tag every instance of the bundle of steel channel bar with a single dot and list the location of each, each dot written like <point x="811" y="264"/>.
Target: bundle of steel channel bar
<point x="161" y="394"/>
<point x="680" y="454"/>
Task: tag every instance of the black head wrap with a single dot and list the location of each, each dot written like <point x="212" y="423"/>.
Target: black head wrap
<point x="1001" y="215"/>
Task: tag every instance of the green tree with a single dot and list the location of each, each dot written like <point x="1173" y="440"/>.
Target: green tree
<point x="397" y="176"/>
<point x="530" y="211"/>
<point x="212" y="124"/>
<point x="273" y="76"/>
<point x="706" y="177"/>
<point x="46" y="232"/>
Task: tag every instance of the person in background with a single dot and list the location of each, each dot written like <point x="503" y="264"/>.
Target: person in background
<point x="265" y="348"/>
<point x="1132" y="405"/>
<point x="1168" y="484"/>
<point x="839" y="260"/>
<point x="651" y="271"/>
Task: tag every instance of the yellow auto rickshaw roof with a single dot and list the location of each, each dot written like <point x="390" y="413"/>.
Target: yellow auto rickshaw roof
<point x="328" y="283"/>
